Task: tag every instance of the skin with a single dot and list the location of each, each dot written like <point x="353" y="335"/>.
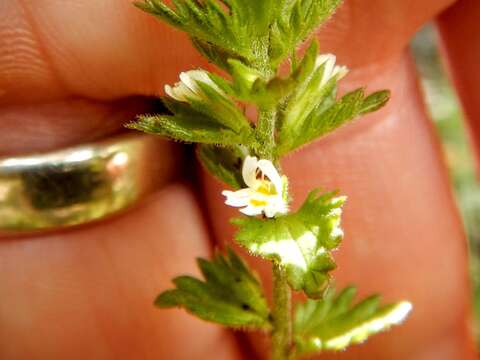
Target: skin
<point x="73" y="71"/>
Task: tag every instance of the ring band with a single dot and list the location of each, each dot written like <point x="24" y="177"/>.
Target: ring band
<point x="79" y="184"/>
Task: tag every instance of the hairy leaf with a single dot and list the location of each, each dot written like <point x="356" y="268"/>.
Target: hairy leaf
<point x="301" y="242"/>
<point x="231" y="294"/>
<point x="259" y="33"/>
<point x="233" y="25"/>
<point x="334" y="322"/>
<point x="212" y="120"/>
<point x="298" y="18"/>
<point x="187" y="129"/>
<point x="327" y="116"/>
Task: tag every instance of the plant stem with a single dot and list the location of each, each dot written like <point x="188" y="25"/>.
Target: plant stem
<point x="282" y="315"/>
<point x="266" y="130"/>
<point x="282" y="295"/>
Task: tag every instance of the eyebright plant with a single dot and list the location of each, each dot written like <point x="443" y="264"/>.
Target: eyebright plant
<point x="249" y="40"/>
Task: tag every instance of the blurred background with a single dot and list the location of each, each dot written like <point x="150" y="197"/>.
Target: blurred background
<point x="447" y="116"/>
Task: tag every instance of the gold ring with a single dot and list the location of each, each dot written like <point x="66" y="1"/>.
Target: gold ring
<point x="79" y="184"/>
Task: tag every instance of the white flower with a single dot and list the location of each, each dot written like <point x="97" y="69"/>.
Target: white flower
<point x="330" y="70"/>
<point x="266" y="192"/>
<point x="188" y="88"/>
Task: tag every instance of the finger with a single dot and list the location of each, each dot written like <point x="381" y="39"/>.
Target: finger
<point x="401" y="224"/>
<point x="62" y="283"/>
<point x="90" y="79"/>
<point x="365" y="32"/>
<point x="88" y="294"/>
<point x="46" y="126"/>
<point x="460" y="33"/>
<point x="103" y="50"/>
<point x="403" y="235"/>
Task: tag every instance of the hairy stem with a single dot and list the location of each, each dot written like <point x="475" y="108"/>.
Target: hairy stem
<point x="282" y="295"/>
<point x="282" y="316"/>
<point x="266" y="131"/>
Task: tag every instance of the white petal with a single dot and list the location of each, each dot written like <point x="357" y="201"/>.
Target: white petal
<point x="271" y="172"/>
<point x="275" y="206"/>
<point x="187" y="88"/>
<point x="169" y="91"/>
<point x="282" y="208"/>
<point x="200" y="75"/>
<point x="340" y="71"/>
<point x="237" y="198"/>
<point x="322" y="59"/>
<point x="180" y="92"/>
<point x="188" y="80"/>
<point x="249" y="169"/>
<point x="252" y="210"/>
<point x="328" y="62"/>
<point x="270" y="212"/>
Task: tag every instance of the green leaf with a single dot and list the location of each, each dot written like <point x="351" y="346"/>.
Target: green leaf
<point x="260" y="33"/>
<point x="231" y="294"/>
<point x="215" y="54"/>
<point x="375" y="101"/>
<point x="237" y="26"/>
<point x="214" y="119"/>
<point x="334" y="323"/>
<point x="309" y="96"/>
<point x="250" y="86"/>
<point x="224" y="163"/>
<point x="191" y="129"/>
<point x="215" y="106"/>
<point x="301" y="242"/>
<point x="297" y="20"/>
<point x="327" y="116"/>
<point x="244" y="77"/>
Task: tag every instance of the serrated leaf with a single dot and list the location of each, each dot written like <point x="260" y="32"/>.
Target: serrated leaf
<point x="308" y="97"/>
<point x="190" y="129"/>
<point x="212" y="120"/>
<point x="327" y="116"/>
<point x="161" y="10"/>
<point x="231" y="294"/>
<point x="224" y="163"/>
<point x="297" y="20"/>
<point x="260" y="33"/>
<point x="334" y="323"/>
<point x="300" y="242"/>
<point x="233" y="25"/>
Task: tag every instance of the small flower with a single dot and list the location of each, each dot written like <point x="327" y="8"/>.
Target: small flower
<point x="330" y="70"/>
<point x="188" y="89"/>
<point x="266" y="192"/>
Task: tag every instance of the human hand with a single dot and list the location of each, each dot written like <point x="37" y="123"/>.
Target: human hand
<point x="71" y="73"/>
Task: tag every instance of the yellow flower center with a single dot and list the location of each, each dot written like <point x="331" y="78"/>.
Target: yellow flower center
<point x="255" y="202"/>
<point x="266" y="188"/>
